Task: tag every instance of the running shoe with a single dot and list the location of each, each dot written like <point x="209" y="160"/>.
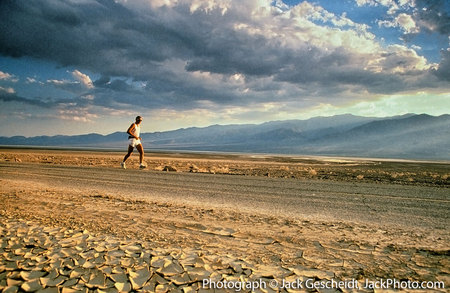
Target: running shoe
<point x="123" y="165"/>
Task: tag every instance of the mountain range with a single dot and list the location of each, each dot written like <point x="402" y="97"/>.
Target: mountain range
<point x="409" y="136"/>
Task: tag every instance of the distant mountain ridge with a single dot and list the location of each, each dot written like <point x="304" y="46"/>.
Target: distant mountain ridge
<point x="409" y="136"/>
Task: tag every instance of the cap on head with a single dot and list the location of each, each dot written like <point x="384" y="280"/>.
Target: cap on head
<point x="138" y="118"/>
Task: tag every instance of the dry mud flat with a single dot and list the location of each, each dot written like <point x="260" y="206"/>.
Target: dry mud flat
<point x="60" y="239"/>
<point x="47" y="259"/>
<point x="37" y="258"/>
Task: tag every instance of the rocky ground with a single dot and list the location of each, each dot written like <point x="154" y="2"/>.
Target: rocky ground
<point x="55" y="239"/>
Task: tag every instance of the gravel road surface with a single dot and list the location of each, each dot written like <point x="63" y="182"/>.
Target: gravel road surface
<point x="383" y="204"/>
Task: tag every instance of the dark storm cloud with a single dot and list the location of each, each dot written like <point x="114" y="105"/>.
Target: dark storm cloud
<point x="336" y="70"/>
<point x="237" y="52"/>
<point x="165" y="46"/>
<point x="443" y="71"/>
<point x="433" y="16"/>
<point x="9" y="95"/>
<point x="114" y="85"/>
<point x="12" y="97"/>
<point x="61" y="31"/>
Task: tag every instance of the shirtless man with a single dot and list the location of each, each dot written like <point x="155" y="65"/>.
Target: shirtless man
<point x="134" y="141"/>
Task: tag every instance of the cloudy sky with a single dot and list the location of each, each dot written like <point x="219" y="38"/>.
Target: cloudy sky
<point x="82" y="66"/>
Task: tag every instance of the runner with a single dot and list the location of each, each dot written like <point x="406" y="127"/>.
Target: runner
<point x="134" y="141"/>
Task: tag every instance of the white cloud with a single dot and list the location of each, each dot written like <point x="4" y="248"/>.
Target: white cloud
<point x="73" y="113"/>
<point x="392" y="5"/>
<point x="4" y="75"/>
<point x="8" y="90"/>
<point x="208" y="6"/>
<point x="406" y="3"/>
<point x="58" y="82"/>
<point x="366" y="2"/>
<point x="399" y="59"/>
<point x="403" y="21"/>
<point x="8" y="77"/>
<point x="387" y="3"/>
<point x="83" y="78"/>
<point x="312" y="12"/>
<point x="406" y="23"/>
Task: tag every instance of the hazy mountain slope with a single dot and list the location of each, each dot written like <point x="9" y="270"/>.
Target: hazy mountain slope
<point x="408" y="136"/>
<point x="266" y="133"/>
<point x="416" y="136"/>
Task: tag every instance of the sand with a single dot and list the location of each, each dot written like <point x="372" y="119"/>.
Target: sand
<point x="59" y="239"/>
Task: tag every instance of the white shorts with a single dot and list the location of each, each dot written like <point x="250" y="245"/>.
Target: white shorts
<point x="134" y="142"/>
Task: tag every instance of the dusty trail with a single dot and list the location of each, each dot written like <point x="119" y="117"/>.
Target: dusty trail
<point x="364" y="203"/>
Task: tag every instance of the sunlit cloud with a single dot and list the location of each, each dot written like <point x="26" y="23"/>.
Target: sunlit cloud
<point x="83" y="78"/>
<point x="8" y="90"/>
<point x="8" y="77"/>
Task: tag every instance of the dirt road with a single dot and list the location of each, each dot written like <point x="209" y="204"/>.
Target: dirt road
<point x="364" y="203"/>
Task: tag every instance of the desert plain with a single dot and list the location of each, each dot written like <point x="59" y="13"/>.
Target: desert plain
<point x="74" y="221"/>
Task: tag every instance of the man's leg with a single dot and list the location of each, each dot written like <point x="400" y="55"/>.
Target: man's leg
<point x="130" y="151"/>
<point x="140" y="148"/>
